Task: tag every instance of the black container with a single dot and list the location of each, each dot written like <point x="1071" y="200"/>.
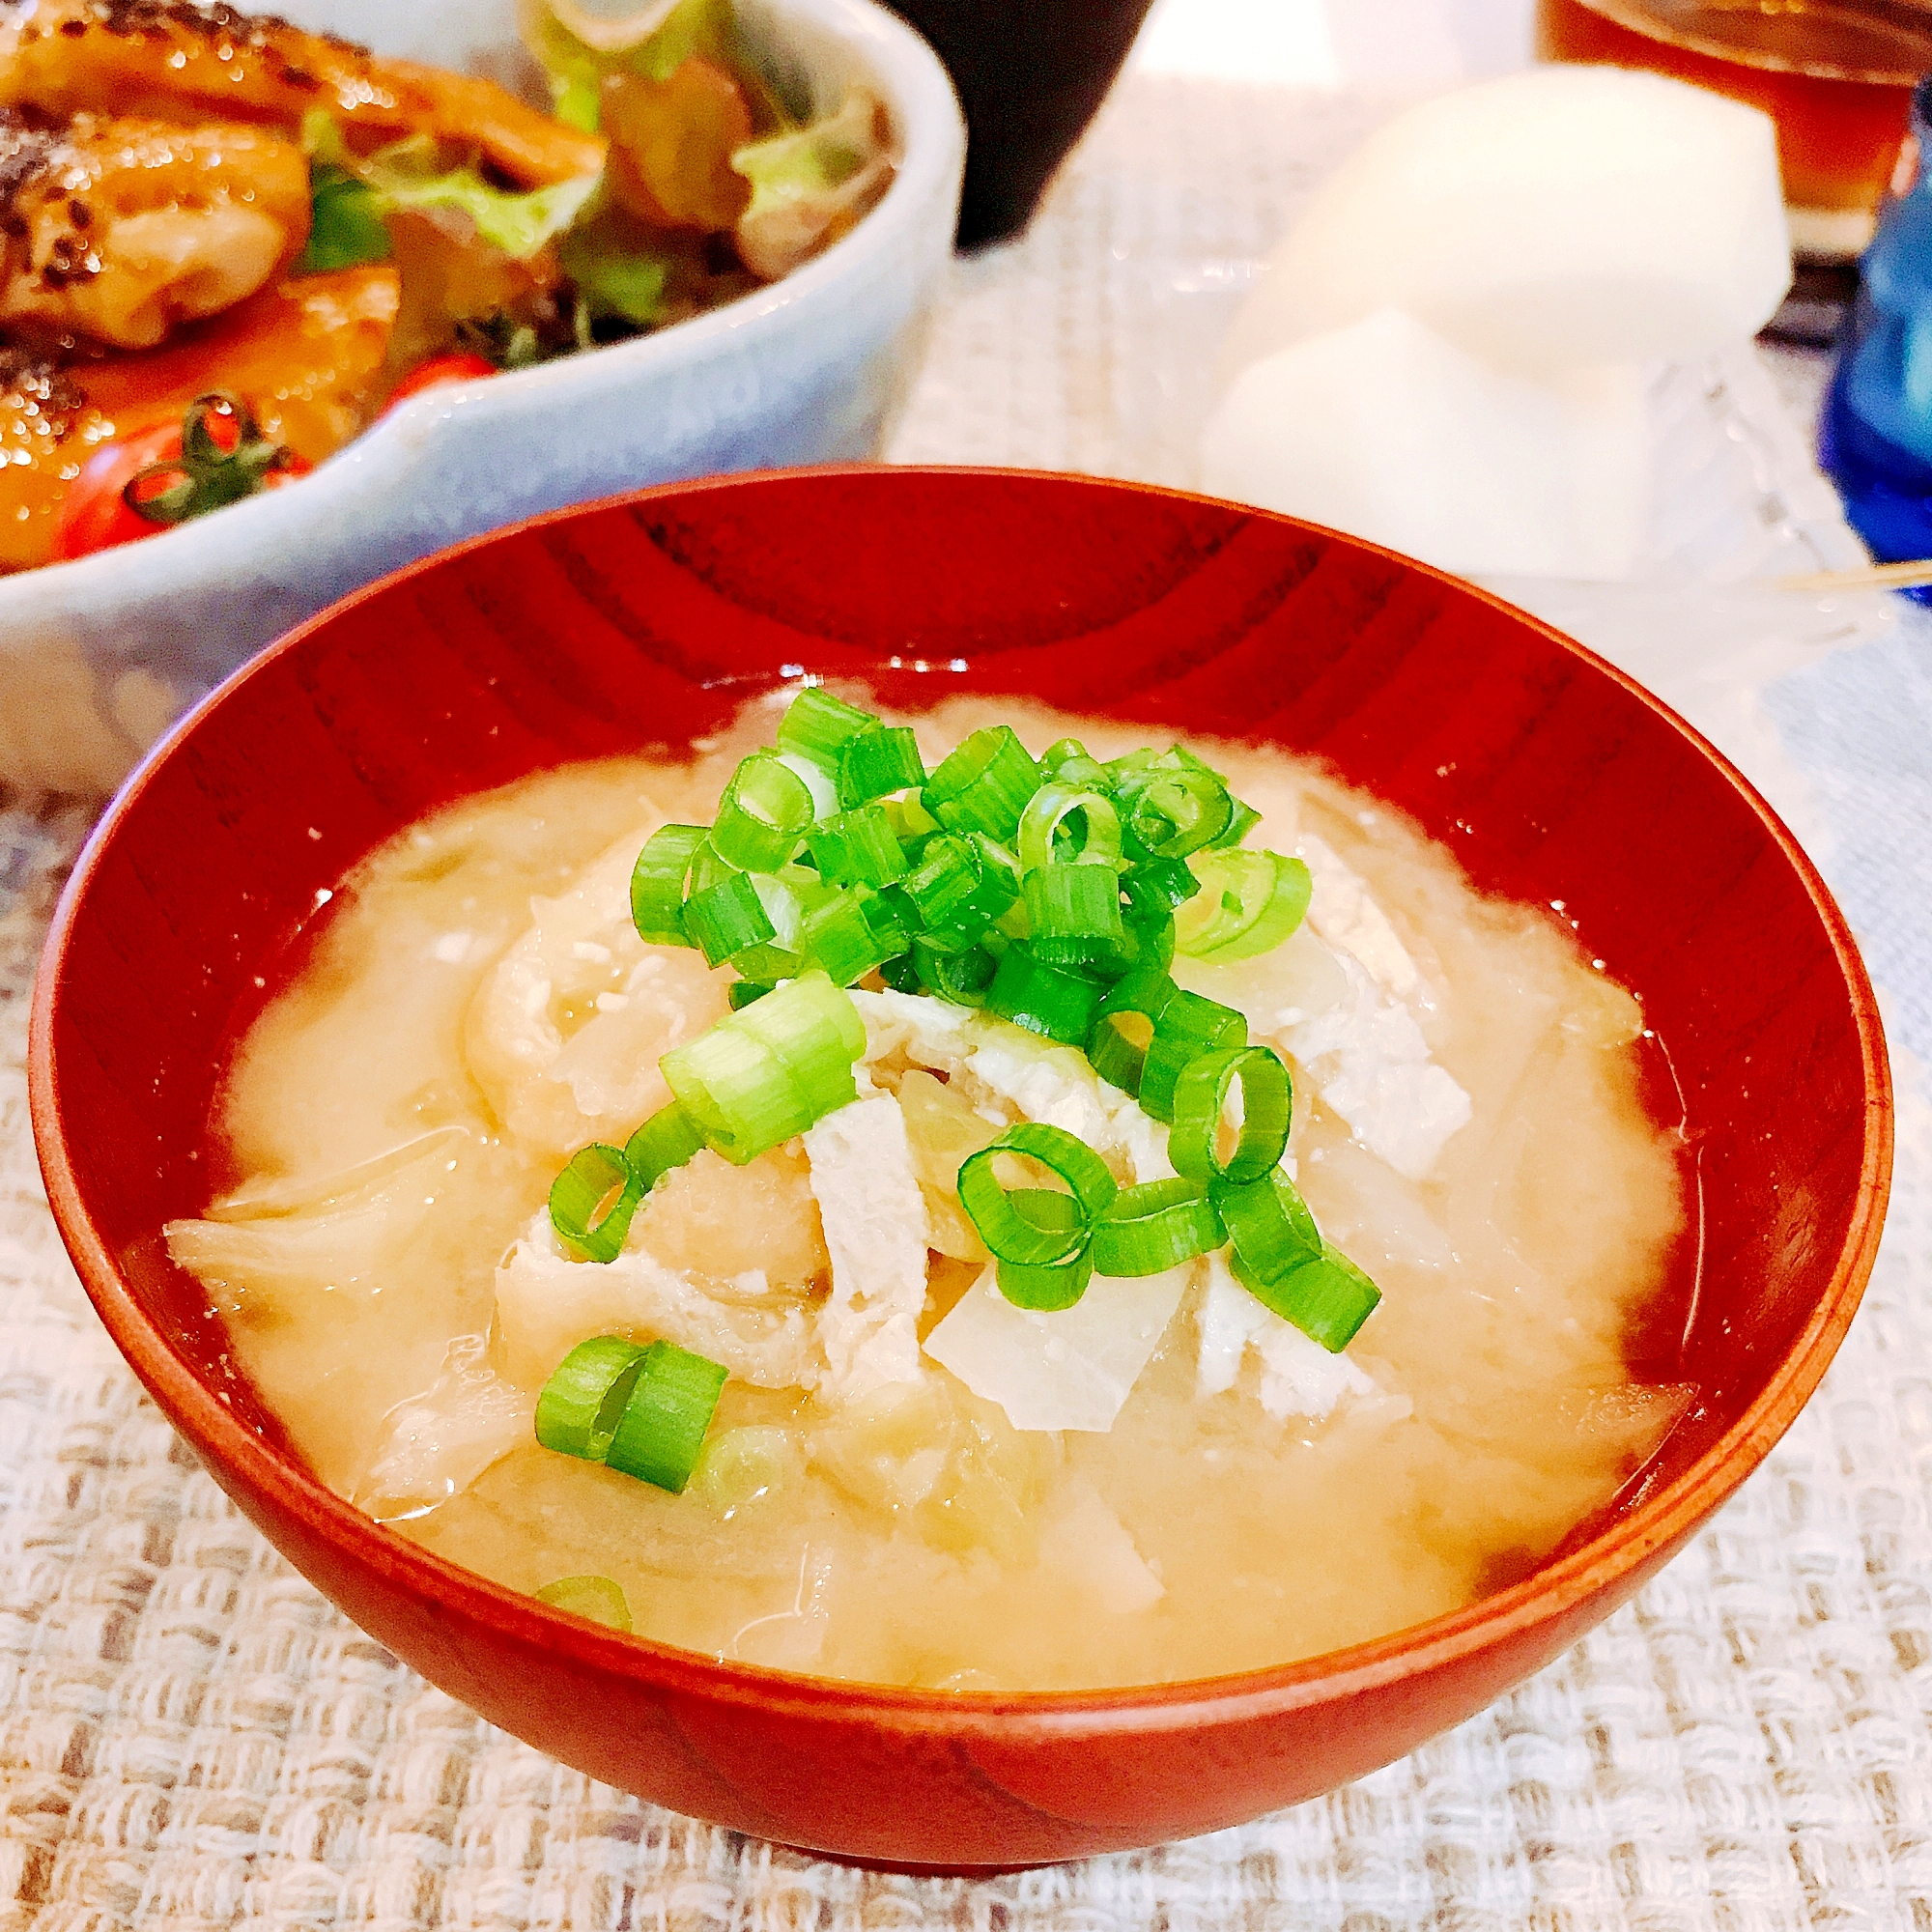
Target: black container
<point x="1031" y="75"/>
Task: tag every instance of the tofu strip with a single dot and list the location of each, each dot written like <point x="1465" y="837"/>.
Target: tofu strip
<point x="875" y="1231"/>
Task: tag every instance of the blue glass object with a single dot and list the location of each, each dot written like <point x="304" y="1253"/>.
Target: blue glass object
<point x="1875" y="441"/>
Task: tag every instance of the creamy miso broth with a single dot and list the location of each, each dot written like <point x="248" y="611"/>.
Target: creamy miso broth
<point x="1165" y="1481"/>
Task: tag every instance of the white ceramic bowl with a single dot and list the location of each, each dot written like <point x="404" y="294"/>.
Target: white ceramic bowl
<point x="97" y="655"/>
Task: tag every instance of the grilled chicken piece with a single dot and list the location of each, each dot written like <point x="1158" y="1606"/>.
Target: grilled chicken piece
<point x="124" y="229"/>
<point x="306" y="356"/>
<point x="179" y="62"/>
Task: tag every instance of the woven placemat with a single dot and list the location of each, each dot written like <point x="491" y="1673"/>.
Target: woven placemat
<point x="190" y="1737"/>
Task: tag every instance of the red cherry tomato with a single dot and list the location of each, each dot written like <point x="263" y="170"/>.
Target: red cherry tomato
<point x="438" y="370"/>
<point x="96" y="513"/>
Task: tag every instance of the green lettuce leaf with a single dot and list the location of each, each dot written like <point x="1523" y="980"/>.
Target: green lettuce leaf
<point x="518" y="221"/>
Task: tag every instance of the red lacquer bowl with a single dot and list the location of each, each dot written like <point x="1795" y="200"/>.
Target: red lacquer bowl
<point x="606" y="630"/>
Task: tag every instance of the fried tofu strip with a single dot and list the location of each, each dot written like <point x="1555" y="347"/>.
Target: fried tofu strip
<point x="180" y="62"/>
<point x="305" y="354"/>
<point x="123" y="229"/>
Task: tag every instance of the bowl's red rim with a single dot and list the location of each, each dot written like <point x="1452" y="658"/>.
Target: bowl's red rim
<point x="1544" y="1601"/>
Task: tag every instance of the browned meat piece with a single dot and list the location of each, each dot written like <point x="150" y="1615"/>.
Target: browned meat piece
<point x="124" y="229"/>
<point x="306" y="356"/>
<point x="180" y="62"/>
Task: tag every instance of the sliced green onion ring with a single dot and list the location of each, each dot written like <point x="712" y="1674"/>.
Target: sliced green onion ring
<point x="1270" y="1226"/>
<point x="1096" y="841"/>
<point x="658" y="882"/>
<point x="858" y="848"/>
<point x="592" y="1174"/>
<point x="1119" y="1053"/>
<point x="963" y="977"/>
<point x="596" y="1599"/>
<point x="819" y="727"/>
<point x="1154" y="1227"/>
<point x="1046" y="998"/>
<point x="1201" y="1098"/>
<point x="762" y="816"/>
<point x="1158" y="886"/>
<point x="724" y="919"/>
<point x="884" y="759"/>
<point x="1046" y="1290"/>
<point x="851" y="933"/>
<point x="1188" y="1027"/>
<point x="668" y="1140"/>
<point x="1075" y="913"/>
<point x="984" y="784"/>
<point x="663" y="1426"/>
<point x="1249" y="902"/>
<point x="1328" y="1298"/>
<point x="1244" y="821"/>
<point x="1016" y="1234"/>
<point x="579" y="1409"/>
<point x="1177" y="813"/>
<point x="1118" y="1048"/>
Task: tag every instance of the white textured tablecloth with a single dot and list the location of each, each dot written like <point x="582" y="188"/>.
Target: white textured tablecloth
<point x="189" y="1737"/>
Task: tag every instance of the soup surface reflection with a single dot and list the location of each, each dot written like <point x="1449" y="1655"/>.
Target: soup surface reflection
<point x="1467" y="1127"/>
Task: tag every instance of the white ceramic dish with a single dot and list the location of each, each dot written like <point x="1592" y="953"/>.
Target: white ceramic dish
<point x="97" y="655"/>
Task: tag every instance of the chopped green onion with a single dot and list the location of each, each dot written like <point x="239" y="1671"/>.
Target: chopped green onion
<point x="737" y="1089"/>
<point x="1068" y="761"/>
<point x="961" y="885"/>
<point x="709" y="867"/>
<point x="1074" y="912"/>
<point x="771" y="1069"/>
<point x="1328" y="1298"/>
<point x="1176" y="812"/>
<point x="984" y="784"/>
<point x="1249" y="902"/>
<point x="1269" y="1224"/>
<point x="762" y="816"/>
<point x="822" y="784"/>
<point x="726" y="918"/>
<point x="742" y="992"/>
<point x="593" y="1175"/>
<point x="663" y="1426"/>
<point x="579" y="1409"/>
<point x="1044" y="999"/>
<point x="1237" y="828"/>
<point x="1146" y="946"/>
<point x="1047" y="1287"/>
<point x="595" y="1599"/>
<point x="658" y="880"/>
<point x="1077" y="817"/>
<point x="816" y="1033"/>
<point x="884" y="759"/>
<point x="852" y="933"/>
<point x="1119" y="1051"/>
<point x="963" y="977"/>
<point x="1025" y="1233"/>
<point x="1188" y="1026"/>
<point x="913" y="822"/>
<point x="1118" y="1048"/>
<point x="819" y="727"/>
<point x="902" y="974"/>
<point x="668" y="1140"/>
<point x="858" y="848"/>
<point x="1158" y="886"/>
<point x="1201" y="1096"/>
<point x="1156" y="1226"/>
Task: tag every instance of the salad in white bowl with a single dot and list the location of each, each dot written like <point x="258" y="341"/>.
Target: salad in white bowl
<point x="482" y="267"/>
